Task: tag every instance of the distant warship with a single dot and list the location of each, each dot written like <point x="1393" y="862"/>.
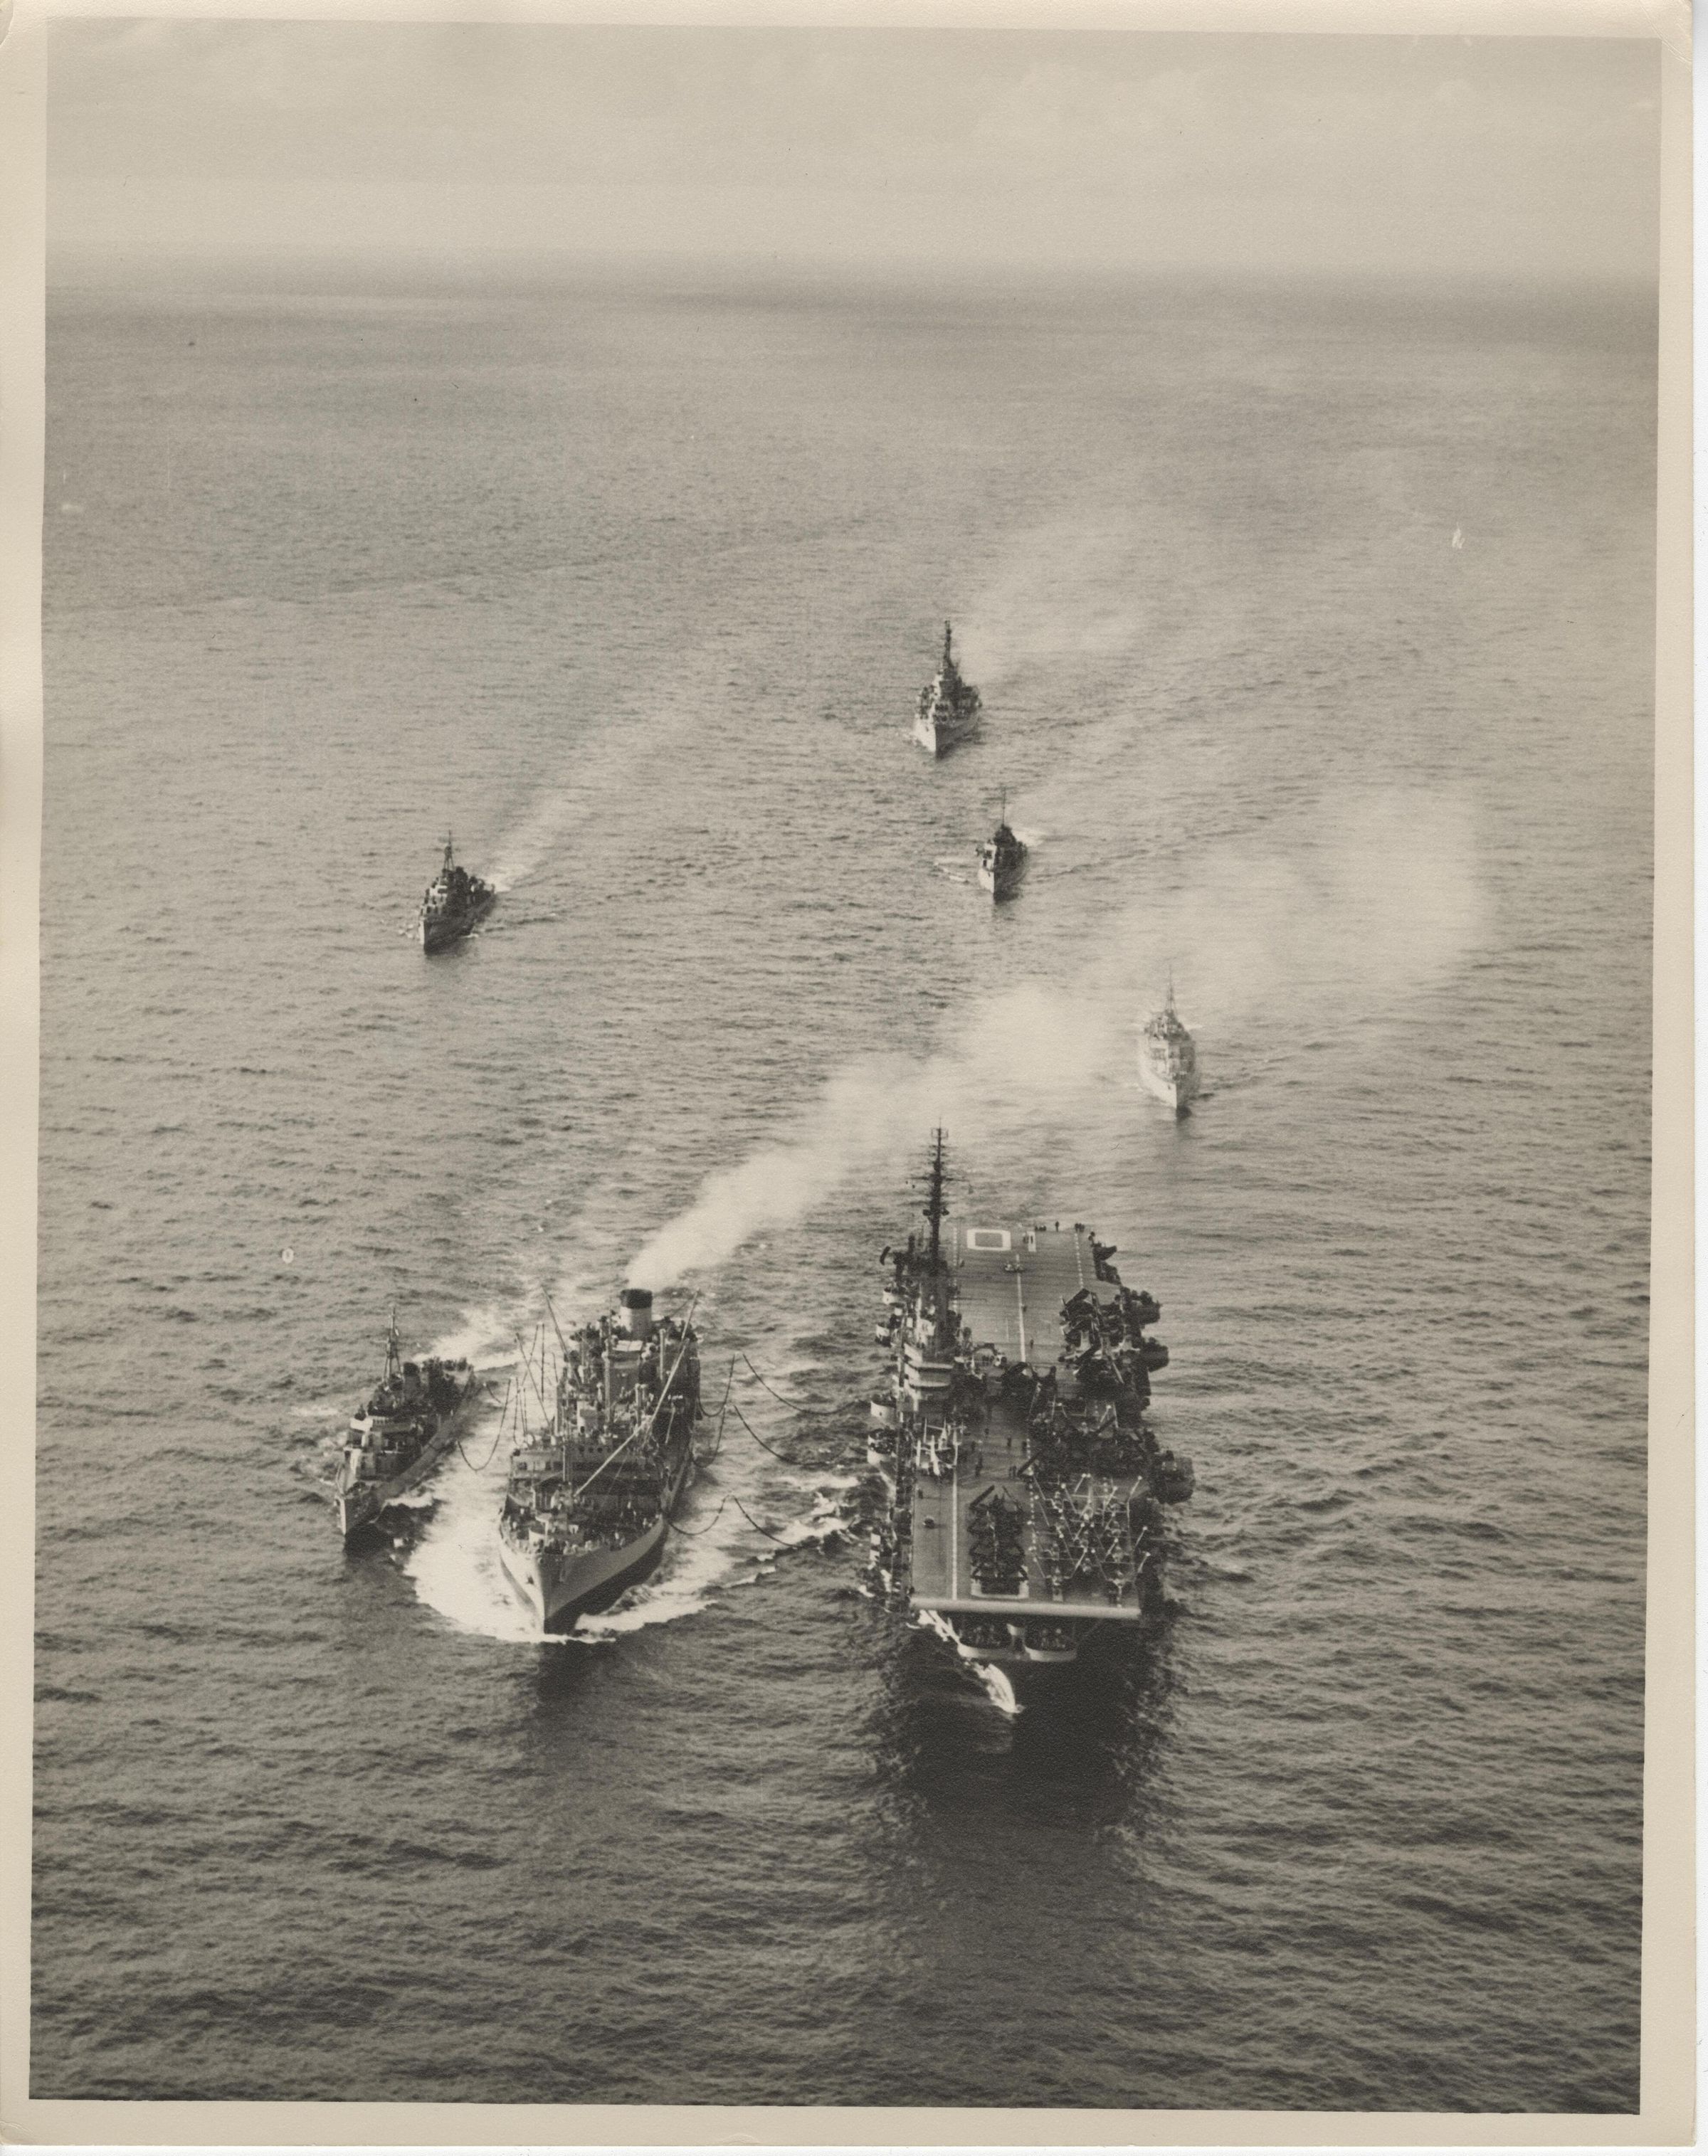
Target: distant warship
<point x="1002" y="861"/>
<point x="408" y="1425"/>
<point x="949" y="707"/>
<point x="591" y="1493"/>
<point x="1168" y="1062"/>
<point x="452" y="903"/>
<point x="1023" y="1488"/>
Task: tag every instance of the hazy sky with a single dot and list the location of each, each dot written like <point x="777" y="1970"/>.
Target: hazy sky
<point x="976" y="146"/>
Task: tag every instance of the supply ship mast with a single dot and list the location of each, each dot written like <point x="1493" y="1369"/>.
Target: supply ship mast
<point x="591" y="1493"/>
<point x="1023" y="1488"/>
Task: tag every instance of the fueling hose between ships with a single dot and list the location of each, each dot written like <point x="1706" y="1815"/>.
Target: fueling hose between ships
<point x="730" y="1497"/>
<point x="722" y="1410"/>
<point x="490" y="1457"/>
<point x="497" y="1440"/>
<point x="677" y="1528"/>
<point x="760" y="1442"/>
<point x="754" y="1524"/>
<point x="766" y="1382"/>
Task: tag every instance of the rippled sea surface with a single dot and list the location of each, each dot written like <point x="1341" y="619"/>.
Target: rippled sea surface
<point x="1315" y="633"/>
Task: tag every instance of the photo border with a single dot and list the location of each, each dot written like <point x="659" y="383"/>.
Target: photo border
<point x="1669" y="2021"/>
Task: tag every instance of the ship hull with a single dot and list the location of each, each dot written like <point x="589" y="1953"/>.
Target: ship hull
<point x="439" y="934"/>
<point x="359" y="1508"/>
<point x="558" y="1588"/>
<point x="939" y="735"/>
<point x="1045" y="1679"/>
<point x="1174" y="1091"/>
<point x="1013" y="1657"/>
<point x="1001" y="883"/>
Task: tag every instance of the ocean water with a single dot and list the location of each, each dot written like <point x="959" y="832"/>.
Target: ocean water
<point x="1314" y="626"/>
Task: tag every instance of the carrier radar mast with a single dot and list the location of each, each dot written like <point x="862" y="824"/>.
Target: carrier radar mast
<point x="936" y="1205"/>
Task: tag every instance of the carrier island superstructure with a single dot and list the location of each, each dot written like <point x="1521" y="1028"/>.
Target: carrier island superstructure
<point x="1023" y="1488"/>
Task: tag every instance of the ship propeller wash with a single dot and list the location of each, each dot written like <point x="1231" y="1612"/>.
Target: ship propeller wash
<point x="1168" y="1060"/>
<point x="1023" y="1489"/>
<point x="592" y="1487"/>
<point x="452" y="903"/>
<point x="948" y="709"/>
<point x="408" y="1425"/>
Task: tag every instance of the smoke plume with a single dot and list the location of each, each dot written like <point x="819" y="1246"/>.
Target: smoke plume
<point x="1079" y="588"/>
<point x="1333" y="922"/>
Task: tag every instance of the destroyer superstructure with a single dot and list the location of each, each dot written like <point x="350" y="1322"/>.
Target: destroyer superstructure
<point x="1023" y="1488"/>
<point x="406" y="1427"/>
<point x="452" y="903"/>
<point x="1002" y="861"/>
<point x="948" y="709"/>
<point x="592" y="1489"/>
<point x="1168" y="1057"/>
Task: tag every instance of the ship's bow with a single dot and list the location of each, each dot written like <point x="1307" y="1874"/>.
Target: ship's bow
<point x="522" y="1568"/>
<point x="357" y="1509"/>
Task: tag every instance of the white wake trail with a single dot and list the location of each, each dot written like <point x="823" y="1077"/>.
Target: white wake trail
<point x="454" y="1565"/>
<point x="608" y="762"/>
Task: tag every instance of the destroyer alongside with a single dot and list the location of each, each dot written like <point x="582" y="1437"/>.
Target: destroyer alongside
<point x="1168" y="1060"/>
<point x="395" y="1441"/>
<point x="591" y="1493"/>
<point x="949" y="707"/>
<point x="1002" y="861"/>
<point x="1023" y="1489"/>
<point x="452" y="903"/>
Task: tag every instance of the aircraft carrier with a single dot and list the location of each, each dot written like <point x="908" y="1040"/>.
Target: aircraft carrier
<point x="1023" y="1489"/>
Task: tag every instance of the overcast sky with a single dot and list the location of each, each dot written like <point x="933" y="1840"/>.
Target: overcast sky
<point x="1114" y="149"/>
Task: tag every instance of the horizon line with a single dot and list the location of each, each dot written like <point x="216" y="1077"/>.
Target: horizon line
<point x="153" y="259"/>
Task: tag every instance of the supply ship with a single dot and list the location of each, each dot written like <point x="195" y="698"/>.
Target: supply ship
<point x="1024" y="1489"/>
<point x="591" y="1493"/>
<point x="452" y="903"/>
<point x="1168" y="1060"/>
<point x="1002" y="861"/>
<point x="949" y="707"/>
<point x="409" y="1424"/>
